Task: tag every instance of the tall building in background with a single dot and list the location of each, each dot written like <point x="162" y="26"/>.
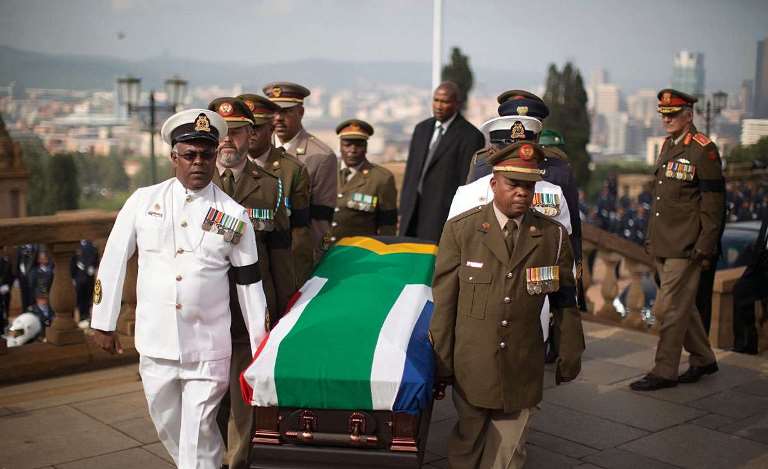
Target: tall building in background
<point x="688" y="73"/>
<point x="746" y="98"/>
<point x="760" y="109"/>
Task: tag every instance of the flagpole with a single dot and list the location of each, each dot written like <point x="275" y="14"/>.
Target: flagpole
<point x="437" y="42"/>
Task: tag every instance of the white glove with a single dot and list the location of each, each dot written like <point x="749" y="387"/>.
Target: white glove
<point x="4" y="289"/>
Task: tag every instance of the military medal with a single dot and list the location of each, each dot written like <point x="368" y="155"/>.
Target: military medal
<point x="547" y="203"/>
<point x="542" y="279"/>
<point x="363" y="202"/>
<point x="682" y="170"/>
<point x="261" y="218"/>
<point x="209" y="217"/>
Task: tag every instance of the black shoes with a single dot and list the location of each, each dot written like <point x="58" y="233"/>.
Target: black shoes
<point x="695" y="373"/>
<point x="652" y="383"/>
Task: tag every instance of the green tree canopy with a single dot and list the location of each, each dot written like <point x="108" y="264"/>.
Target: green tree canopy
<point x="567" y="100"/>
<point x="459" y="72"/>
<point x="63" y="183"/>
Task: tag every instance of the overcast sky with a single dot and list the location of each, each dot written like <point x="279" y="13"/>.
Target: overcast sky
<point x="634" y="40"/>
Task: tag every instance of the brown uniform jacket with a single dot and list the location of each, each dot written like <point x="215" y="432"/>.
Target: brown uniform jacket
<point x="295" y="179"/>
<point x="486" y="327"/>
<point x="321" y="165"/>
<point x="357" y="217"/>
<point x="688" y="200"/>
<point x="256" y="188"/>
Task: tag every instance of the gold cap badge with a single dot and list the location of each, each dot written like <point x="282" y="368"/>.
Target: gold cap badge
<point x="518" y="130"/>
<point x="225" y="109"/>
<point x="276" y="91"/>
<point x="526" y="152"/>
<point x="202" y="124"/>
<point x="522" y="110"/>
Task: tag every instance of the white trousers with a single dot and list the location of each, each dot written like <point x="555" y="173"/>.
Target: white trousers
<point x="182" y="401"/>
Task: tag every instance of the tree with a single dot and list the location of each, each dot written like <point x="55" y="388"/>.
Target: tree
<point x="567" y="100"/>
<point x="36" y="159"/>
<point x="459" y="72"/>
<point x="63" y="185"/>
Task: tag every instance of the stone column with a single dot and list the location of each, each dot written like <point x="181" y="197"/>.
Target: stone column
<point x="64" y="330"/>
<point x="635" y="295"/>
<point x="587" y="249"/>
<point x="126" y="323"/>
<point x="609" y="287"/>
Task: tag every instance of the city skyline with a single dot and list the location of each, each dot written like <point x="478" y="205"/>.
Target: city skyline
<point x="623" y="38"/>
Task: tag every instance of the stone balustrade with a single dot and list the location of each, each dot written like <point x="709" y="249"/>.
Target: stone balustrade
<point x="61" y="234"/>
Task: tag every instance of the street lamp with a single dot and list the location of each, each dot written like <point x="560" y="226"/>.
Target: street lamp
<point x="129" y="91"/>
<point x="714" y="105"/>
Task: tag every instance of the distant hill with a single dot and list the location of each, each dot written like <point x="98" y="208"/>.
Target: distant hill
<point x="79" y="72"/>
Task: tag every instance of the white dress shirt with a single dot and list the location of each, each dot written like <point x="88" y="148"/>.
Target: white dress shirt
<point x="182" y="289"/>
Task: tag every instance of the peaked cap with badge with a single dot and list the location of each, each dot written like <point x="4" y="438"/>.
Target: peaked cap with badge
<point x="286" y="94"/>
<point x="519" y="161"/>
<point x="354" y="129"/>
<point x="233" y="110"/>
<point x="262" y="108"/>
<point x="194" y="124"/>
<point x="522" y="103"/>
<point x="672" y="101"/>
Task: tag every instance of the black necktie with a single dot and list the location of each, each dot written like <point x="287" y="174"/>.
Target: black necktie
<point x="345" y="174"/>
<point x="510" y="228"/>
<point x="430" y="154"/>
<point x="228" y="182"/>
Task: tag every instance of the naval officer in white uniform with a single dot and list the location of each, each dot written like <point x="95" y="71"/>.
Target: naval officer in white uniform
<point x="189" y="235"/>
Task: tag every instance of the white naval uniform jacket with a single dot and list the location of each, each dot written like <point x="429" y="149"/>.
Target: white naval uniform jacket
<point x="182" y="290"/>
<point x="479" y="192"/>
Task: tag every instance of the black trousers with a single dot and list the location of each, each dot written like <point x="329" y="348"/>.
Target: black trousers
<point x="84" y="294"/>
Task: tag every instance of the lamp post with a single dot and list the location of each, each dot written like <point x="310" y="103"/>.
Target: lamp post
<point x="714" y="105"/>
<point x="129" y="92"/>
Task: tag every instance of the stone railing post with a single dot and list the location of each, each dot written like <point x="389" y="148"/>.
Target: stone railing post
<point x="63" y="330"/>
<point x="609" y="287"/>
<point x="126" y="323"/>
<point x="635" y="294"/>
<point x="587" y="249"/>
<point x="721" y="329"/>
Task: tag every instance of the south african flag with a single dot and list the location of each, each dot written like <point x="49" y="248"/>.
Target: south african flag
<point x="356" y="337"/>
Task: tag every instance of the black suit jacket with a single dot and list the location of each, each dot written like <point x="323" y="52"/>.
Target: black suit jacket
<point x="446" y="172"/>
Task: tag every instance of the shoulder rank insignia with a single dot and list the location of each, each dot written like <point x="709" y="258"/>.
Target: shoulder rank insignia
<point x="97" y="292"/>
<point x="542" y="279"/>
<point x="221" y="223"/>
<point x="547" y="203"/>
<point x="702" y="139"/>
<point x="687" y="139"/>
<point x="362" y="202"/>
<point x="682" y="171"/>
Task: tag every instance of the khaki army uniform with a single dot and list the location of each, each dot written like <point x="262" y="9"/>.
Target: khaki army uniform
<point x="321" y="165"/>
<point x="366" y="204"/>
<point x="255" y="188"/>
<point x="685" y="226"/>
<point x="295" y="178"/>
<point x="486" y="328"/>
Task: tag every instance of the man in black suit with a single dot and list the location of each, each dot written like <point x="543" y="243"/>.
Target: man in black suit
<point x="438" y="160"/>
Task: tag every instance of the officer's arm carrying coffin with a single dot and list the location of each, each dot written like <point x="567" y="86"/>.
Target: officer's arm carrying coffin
<point x="345" y="378"/>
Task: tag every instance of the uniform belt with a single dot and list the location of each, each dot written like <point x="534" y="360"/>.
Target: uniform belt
<point x="299" y="217"/>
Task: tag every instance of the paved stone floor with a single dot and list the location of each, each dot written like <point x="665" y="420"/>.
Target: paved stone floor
<point x="99" y="419"/>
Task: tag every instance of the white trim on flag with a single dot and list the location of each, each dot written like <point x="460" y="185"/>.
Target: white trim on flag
<point x="389" y="355"/>
<point x="261" y="374"/>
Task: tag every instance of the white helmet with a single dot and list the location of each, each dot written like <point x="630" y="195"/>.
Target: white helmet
<point x="25" y="328"/>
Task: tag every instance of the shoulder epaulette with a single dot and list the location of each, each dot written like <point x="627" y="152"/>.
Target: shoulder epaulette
<point x="702" y="139"/>
<point x="467" y="214"/>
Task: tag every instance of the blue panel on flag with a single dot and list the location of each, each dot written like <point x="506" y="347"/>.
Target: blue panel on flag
<point x="415" y="391"/>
